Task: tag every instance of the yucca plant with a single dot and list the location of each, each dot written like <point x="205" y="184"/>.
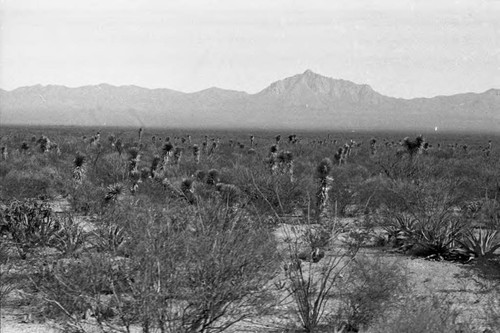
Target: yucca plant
<point x="324" y="184"/>
<point x="213" y="176"/>
<point x="119" y="146"/>
<point x="4" y="153"/>
<point x="479" y="243"/>
<point x="188" y="190"/>
<point x="285" y="163"/>
<point x="44" y="143"/>
<point x="79" y="167"/>
<point x="24" y="147"/>
<point x="177" y="155"/>
<point x="141" y="132"/>
<point x="134" y="158"/>
<point x="196" y="153"/>
<point x="155" y="163"/>
<point x="113" y="193"/>
<point x="167" y="151"/>
<point x="135" y="179"/>
<point x="272" y="160"/>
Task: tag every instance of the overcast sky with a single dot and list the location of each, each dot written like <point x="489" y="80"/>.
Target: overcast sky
<point x="401" y="48"/>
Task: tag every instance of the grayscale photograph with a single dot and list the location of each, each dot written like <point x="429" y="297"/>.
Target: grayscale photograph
<point x="281" y="166"/>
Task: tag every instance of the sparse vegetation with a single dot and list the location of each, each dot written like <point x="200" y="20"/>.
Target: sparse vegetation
<point x="205" y="232"/>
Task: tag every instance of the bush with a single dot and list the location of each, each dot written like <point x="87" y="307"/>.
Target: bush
<point x="371" y="287"/>
<point x="422" y="315"/>
<point x="184" y="270"/>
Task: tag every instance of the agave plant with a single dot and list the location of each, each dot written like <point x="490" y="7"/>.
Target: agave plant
<point x="70" y="238"/>
<point x="110" y="238"/>
<point x="479" y="243"/>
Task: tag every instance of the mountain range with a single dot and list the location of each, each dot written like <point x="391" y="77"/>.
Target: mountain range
<point x="304" y="101"/>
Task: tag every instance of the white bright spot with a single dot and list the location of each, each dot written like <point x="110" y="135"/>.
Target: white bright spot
<point x="435" y="129"/>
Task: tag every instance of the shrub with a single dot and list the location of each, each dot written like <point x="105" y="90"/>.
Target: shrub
<point x="422" y="315"/>
<point x="185" y="270"/>
<point x="370" y="287"/>
<point x="314" y="283"/>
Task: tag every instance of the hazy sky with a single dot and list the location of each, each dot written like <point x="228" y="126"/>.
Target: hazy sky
<point x="401" y="48"/>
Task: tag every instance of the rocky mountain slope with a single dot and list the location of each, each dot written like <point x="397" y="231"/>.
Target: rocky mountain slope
<point x="303" y="101"/>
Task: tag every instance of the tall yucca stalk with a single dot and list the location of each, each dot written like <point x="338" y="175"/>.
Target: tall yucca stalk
<point x="196" y="153"/>
<point x="112" y="140"/>
<point x="177" y="155"/>
<point x="4" y="153"/>
<point x="273" y="159"/>
<point x="373" y="146"/>
<point x="285" y="161"/>
<point x="44" y="143"/>
<point x="213" y="147"/>
<point x="412" y="147"/>
<point x="141" y="132"/>
<point x="322" y="174"/>
<point x="119" y="146"/>
<point x="134" y="158"/>
<point x="79" y="167"/>
<point x="24" y="147"/>
<point x="155" y="163"/>
<point x="167" y="151"/>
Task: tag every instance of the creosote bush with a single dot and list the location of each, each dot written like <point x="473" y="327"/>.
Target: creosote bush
<point x="183" y="270"/>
